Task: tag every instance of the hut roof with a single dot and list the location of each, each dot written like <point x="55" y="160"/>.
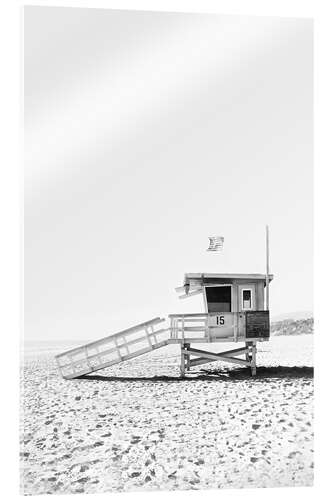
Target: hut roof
<point x="225" y="276"/>
<point x="194" y="282"/>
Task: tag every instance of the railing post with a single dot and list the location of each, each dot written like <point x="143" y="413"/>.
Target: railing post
<point x="148" y="338"/>
<point x="153" y="333"/>
<point x="125" y="344"/>
<point x="117" y="347"/>
<point x="87" y="357"/>
<point x="254" y="358"/>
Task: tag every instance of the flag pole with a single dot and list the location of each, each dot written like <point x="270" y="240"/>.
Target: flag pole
<point x="267" y="268"/>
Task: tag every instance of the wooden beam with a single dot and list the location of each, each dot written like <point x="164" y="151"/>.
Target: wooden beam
<point x="189" y="315"/>
<point x="203" y="361"/>
<point x="216" y="357"/>
<point x="239" y="350"/>
<point x="182" y="362"/>
<point x="253" y="360"/>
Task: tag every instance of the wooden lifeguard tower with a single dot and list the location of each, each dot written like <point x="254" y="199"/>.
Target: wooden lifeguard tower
<point x="236" y="310"/>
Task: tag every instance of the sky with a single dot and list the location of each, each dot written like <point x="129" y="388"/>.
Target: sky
<point x="147" y="132"/>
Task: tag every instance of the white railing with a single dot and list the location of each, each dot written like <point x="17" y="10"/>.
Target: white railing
<point x="183" y="326"/>
<point x="208" y="327"/>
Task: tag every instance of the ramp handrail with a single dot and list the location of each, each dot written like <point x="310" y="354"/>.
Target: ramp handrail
<point x="111" y="349"/>
<point x="113" y="336"/>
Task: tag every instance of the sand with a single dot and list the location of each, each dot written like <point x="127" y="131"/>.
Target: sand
<point x="138" y="426"/>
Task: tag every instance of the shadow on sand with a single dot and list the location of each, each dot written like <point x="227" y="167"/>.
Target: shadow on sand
<point x="263" y="373"/>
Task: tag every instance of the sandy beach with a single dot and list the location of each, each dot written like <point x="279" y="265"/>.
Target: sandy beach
<point x="138" y="426"/>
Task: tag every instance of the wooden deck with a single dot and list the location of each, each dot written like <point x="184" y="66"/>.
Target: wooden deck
<point x="184" y="329"/>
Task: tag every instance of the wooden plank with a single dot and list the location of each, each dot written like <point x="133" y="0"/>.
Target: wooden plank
<point x="217" y="340"/>
<point x="194" y="315"/>
<point x="196" y="320"/>
<point x="240" y="350"/>
<point x="194" y="328"/>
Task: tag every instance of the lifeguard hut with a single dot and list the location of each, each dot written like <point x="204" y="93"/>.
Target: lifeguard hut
<point x="236" y="310"/>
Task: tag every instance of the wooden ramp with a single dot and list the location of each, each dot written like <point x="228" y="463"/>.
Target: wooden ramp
<point x="113" y="349"/>
<point x="184" y="329"/>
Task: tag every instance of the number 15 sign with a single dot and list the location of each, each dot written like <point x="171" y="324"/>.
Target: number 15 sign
<point x="220" y="320"/>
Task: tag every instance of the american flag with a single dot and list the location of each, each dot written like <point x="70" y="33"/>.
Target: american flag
<point x="215" y="243"/>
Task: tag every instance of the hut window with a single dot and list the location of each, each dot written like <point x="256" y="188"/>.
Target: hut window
<point x="247" y="299"/>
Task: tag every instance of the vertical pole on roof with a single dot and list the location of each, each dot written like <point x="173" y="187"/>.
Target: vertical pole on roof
<point x="267" y="268"/>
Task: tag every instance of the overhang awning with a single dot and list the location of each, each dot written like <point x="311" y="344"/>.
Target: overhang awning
<point x="201" y="279"/>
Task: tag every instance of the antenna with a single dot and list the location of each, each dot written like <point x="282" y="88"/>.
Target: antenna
<point x="267" y="268"/>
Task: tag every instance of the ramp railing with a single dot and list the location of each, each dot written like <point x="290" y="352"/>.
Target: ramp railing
<point x="110" y="350"/>
<point x="186" y="326"/>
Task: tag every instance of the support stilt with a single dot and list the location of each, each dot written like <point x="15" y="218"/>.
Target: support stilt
<point x="247" y="354"/>
<point x="253" y="360"/>
<point x="202" y="357"/>
<point x="182" y="361"/>
<point x="187" y="358"/>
